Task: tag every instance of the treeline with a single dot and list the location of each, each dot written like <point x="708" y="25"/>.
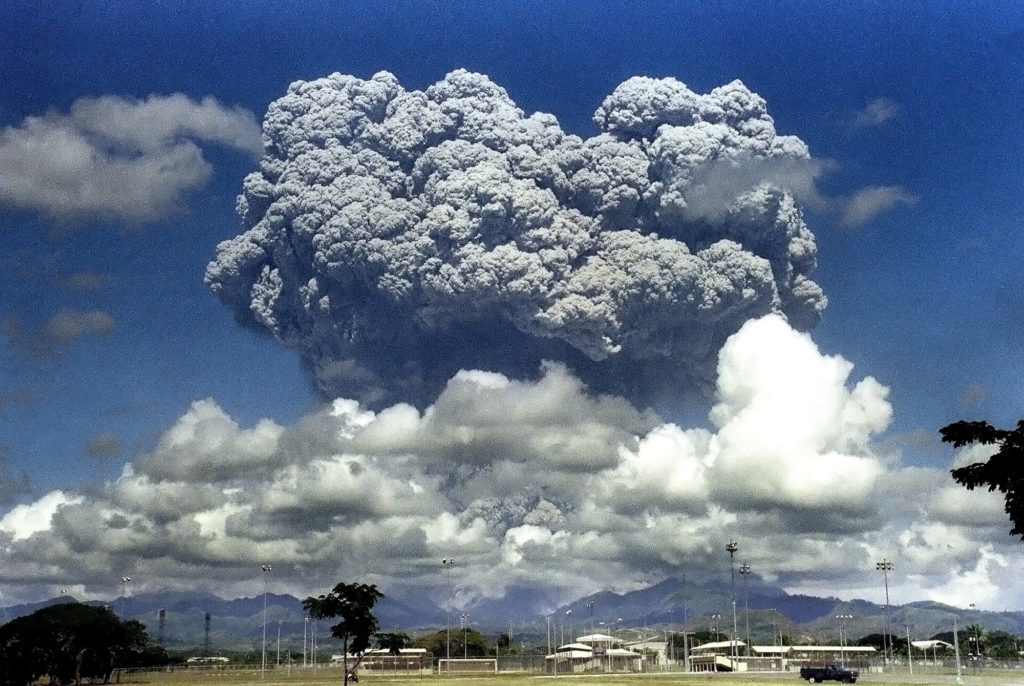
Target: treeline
<point x="72" y="642"/>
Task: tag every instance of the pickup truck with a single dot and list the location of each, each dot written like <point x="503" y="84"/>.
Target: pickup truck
<point x="828" y="673"/>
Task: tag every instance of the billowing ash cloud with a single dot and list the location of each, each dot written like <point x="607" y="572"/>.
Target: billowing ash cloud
<point x="394" y="237"/>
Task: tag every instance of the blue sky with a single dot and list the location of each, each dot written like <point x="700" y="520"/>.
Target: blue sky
<point x="911" y="112"/>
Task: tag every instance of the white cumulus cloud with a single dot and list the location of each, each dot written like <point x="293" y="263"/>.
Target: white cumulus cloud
<point x="538" y="483"/>
<point x="111" y="157"/>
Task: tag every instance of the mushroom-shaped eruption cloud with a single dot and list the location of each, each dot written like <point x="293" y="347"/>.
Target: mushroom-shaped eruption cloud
<point x="394" y="237"/>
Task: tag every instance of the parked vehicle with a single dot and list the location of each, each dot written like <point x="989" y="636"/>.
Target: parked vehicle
<point x="829" y="672"/>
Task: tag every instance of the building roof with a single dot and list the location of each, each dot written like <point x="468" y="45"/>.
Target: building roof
<point x="597" y="638"/>
<point x="782" y="650"/>
<point x="834" y="649"/>
<point x="716" y="645"/>
<point x="576" y="650"/>
<point x="929" y="645"/>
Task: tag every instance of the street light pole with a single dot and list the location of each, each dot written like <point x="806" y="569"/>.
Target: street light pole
<point x="125" y="580"/>
<point x="447" y="564"/>
<point x="263" y="668"/>
<point x="463" y="618"/>
<point x="885" y="567"/>
<point x="732" y="546"/>
<point x="842" y="632"/>
<point x="744" y="572"/>
<point x="976" y="650"/>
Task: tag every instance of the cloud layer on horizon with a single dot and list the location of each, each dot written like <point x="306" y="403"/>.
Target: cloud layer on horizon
<point x="542" y="483"/>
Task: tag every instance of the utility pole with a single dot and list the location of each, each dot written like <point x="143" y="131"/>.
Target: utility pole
<point x="447" y="563"/>
<point x="885" y="567"/>
<point x="732" y="546"/>
<point x="744" y="572"/>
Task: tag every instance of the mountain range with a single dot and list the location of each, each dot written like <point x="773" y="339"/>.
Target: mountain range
<point x="671" y="605"/>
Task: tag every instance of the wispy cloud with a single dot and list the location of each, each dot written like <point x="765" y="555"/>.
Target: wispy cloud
<point x="106" y="444"/>
<point x="69" y="325"/>
<point x="109" y="157"/>
<point x="62" y="328"/>
<point x="877" y="112"/>
<point x="868" y="203"/>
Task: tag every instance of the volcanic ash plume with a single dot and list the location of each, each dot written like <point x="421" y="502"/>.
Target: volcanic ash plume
<point x="393" y="237"/>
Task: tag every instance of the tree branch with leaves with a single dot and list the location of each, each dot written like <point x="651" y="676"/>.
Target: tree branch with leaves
<point x="1004" y="471"/>
<point x="353" y="604"/>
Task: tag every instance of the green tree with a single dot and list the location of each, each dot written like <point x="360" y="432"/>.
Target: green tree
<point x="972" y="637"/>
<point x="1004" y="471"/>
<point x="393" y="642"/>
<point x="878" y="641"/>
<point x="67" y="642"/>
<point x="437" y="643"/>
<point x="434" y="643"/>
<point x="1000" y="644"/>
<point x="353" y="604"/>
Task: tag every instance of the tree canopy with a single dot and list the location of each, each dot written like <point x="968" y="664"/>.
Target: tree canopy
<point x="455" y="641"/>
<point x="1004" y="471"/>
<point x="393" y="641"/>
<point x="69" y="639"/>
<point x="353" y="604"/>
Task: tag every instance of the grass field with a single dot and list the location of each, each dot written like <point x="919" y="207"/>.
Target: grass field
<point x="308" y="677"/>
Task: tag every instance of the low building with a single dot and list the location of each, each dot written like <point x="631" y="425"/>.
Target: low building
<point x="593" y="653"/>
<point x="732" y="656"/>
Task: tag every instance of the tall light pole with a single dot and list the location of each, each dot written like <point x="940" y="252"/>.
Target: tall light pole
<point x="125" y="580"/>
<point x="447" y="563"/>
<point x="568" y="613"/>
<point x="266" y="570"/>
<point x="732" y="546"/>
<point x="590" y="609"/>
<point x="842" y="633"/>
<point x="463" y="619"/>
<point x="715" y="618"/>
<point x="744" y="572"/>
<point x="885" y="567"/>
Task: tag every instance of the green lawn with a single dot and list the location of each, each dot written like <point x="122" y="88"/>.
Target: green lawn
<point x="309" y="677"/>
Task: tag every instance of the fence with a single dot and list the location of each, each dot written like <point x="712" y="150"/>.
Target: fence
<point x="472" y="665"/>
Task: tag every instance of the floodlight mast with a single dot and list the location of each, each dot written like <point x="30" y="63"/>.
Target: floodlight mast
<point x="842" y="636"/>
<point x="447" y="564"/>
<point x="464" y="620"/>
<point x="125" y="581"/>
<point x="744" y="572"/>
<point x="732" y="546"/>
<point x="266" y="569"/>
<point x="885" y="566"/>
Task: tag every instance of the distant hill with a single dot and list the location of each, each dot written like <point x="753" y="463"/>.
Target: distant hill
<point x="672" y="604"/>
